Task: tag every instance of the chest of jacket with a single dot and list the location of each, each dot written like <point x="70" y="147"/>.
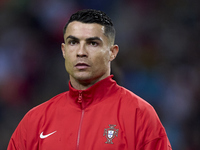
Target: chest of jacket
<point x="99" y="126"/>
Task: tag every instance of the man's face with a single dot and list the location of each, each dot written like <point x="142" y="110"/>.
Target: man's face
<point x="87" y="52"/>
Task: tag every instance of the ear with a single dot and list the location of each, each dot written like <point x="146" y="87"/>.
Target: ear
<point x="63" y="49"/>
<point x="113" y="52"/>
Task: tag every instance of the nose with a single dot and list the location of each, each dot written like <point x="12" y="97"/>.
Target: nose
<point x="82" y="52"/>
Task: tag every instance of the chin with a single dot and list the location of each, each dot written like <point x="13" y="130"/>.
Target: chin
<point x="87" y="77"/>
<point x="83" y="77"/>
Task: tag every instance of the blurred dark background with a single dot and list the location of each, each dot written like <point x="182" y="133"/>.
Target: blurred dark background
<point x="159" y="58"/>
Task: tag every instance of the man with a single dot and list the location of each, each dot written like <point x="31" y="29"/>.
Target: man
<point x="96" y="113"/>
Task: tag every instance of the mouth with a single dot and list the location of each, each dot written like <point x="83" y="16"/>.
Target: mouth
<point x="82" y="66"/>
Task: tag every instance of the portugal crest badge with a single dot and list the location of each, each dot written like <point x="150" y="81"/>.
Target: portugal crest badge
<point x="110" y="133"/>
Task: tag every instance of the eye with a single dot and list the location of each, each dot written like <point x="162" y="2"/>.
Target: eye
<point x="92" y="43"/>
<point x="73" y="42"/>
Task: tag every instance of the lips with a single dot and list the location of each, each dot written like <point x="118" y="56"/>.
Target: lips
<point x="82" y="66"/>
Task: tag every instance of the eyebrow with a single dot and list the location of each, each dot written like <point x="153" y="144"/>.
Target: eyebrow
<point x="88" y="39"/>
<point x="93" y="38"/>
<point x="72" y="37"/>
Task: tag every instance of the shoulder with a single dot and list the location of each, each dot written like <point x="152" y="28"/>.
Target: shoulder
<point x="147" y="123"/>
<point x="48" y="106"/>
<point x="131" y="99"/>
<point x="137" y="106"/>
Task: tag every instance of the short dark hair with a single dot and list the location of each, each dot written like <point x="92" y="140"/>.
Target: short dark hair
<point x="94" y="16"/>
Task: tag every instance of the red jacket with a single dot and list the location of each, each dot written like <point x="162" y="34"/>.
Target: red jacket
<point x="106" y="116"/>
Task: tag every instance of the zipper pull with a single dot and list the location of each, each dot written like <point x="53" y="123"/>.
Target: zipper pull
<point x="80" y="97"/>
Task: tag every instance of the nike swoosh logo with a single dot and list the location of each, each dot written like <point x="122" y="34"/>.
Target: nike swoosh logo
<point x="45" y="136"/>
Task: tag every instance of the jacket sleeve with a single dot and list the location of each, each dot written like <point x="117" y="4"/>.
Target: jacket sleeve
<point x="151" y="134"/>
<point x="157" y="144"/>
<point x="18" y="139"/>
<point x="11" y="145"/>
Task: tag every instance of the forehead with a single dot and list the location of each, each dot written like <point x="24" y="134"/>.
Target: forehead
<point x="84" y="30"/>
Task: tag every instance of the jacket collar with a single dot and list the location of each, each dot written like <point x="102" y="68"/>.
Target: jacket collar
<point x="93" y="94"/>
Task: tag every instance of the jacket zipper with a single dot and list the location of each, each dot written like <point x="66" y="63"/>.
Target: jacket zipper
<point x="81" y="120"/>
<point x="80" y="98"/>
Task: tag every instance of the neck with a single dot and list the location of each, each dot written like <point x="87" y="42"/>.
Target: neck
<point x="83" y="85"/>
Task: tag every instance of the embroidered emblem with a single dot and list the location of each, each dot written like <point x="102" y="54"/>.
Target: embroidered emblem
<point x="110" y="133"/>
